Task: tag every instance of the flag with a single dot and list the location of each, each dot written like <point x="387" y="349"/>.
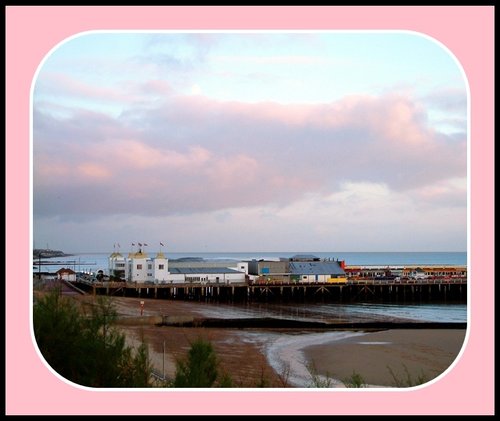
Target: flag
<point x="118" y="244"/>
<point x="133" y="244"/>
<point x="140" y="244"/>
<point x="161" y="244"/>
<point x="145" y="244"/>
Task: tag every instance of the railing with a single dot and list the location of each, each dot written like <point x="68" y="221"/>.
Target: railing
<point x="423" y="281"/>
<point x="349" y="281"/>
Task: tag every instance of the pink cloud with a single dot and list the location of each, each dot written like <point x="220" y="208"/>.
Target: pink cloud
<point x="91" y="170"/>
<point x="157" y="87"/>
<point x="126" y="92"/>
<point x="192" y="154"/>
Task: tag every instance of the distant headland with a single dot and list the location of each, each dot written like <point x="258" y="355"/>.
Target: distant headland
<point x="47" y="253"/>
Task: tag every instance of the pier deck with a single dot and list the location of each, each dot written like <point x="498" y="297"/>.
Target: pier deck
<point x="425" y="290"/>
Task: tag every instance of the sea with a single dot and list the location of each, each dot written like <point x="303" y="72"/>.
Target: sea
<point x="286" y="349"/>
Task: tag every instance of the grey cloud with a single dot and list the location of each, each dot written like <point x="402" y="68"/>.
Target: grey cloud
<point x="193" y="154"/>
<point x="448" y="99"/>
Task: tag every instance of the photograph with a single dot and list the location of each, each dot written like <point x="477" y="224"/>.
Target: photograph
<point x="299" y="176"/>
<point x="227" y="214"/>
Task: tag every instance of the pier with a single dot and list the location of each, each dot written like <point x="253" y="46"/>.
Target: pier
<point x="453" y="290"/>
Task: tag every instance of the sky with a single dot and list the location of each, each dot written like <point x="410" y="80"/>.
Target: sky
<point x="250" y="141"/>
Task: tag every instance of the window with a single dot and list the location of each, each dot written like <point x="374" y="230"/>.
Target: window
<point x="139" y="267"/>
<point x="161" y="267"/>
<point x="150" y="266"/>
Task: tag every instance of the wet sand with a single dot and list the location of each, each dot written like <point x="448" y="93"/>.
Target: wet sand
<point x="241" y="352"/>
<point x="411" y="354"/>
<point x="242" y="360"/>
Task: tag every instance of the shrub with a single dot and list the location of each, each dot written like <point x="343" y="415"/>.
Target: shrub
<point x="85" y="348"/>
<point x="200" y="369"/>
<point x="356" y="380"/>
<point x="317" y="380"/>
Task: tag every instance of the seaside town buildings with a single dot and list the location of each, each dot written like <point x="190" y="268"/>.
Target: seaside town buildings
<point x="147" y="268"/>
<point x="300" y="277"/>
<point x="139" y="267"/>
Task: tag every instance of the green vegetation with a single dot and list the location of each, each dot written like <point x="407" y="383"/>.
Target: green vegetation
<point x="201" y="368"/>
<point x="263" y="380"/>
<point x="83" y="345"/>
<point x="85" y="348"/>
<point x="357" y="381"/>
<point x="407" y="380"/>
<point x="354" y="381"/>
<point x="317" y="380"/>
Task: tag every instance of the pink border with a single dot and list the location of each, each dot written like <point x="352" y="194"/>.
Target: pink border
<point x="32" y="31"/>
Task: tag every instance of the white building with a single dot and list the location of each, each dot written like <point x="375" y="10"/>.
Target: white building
<point x="66" y="274"/>
<point x="139" y="267"/>
<point x="117" y="265"/>
<point x="207" y="275"/>
<point x="242" y="267"/>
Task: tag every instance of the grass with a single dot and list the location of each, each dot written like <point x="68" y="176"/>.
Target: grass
<point x="407" y="380"/>
<point x="356" y="380"/>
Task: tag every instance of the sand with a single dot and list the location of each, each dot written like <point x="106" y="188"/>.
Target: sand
<point x="413" y="355"/>
<point x="391" y="358"/>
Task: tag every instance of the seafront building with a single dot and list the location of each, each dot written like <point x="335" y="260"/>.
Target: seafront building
<point x="66" y="274"/>
<point x="299" y="268"/>
<point x="141" y="268"/>
<point x="301" y="277"/>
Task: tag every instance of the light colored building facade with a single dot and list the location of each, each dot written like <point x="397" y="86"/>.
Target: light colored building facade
<point x="207" y="275"/>
<point x="66" y="275"/>
<point x="140" y="267"/>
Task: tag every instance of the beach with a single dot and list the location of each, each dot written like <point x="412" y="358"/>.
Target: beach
<point x="282" y="358"/>
<point x="408" y="353"/>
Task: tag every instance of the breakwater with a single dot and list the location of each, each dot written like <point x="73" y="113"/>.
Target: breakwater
<point x="280" y="323"/>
